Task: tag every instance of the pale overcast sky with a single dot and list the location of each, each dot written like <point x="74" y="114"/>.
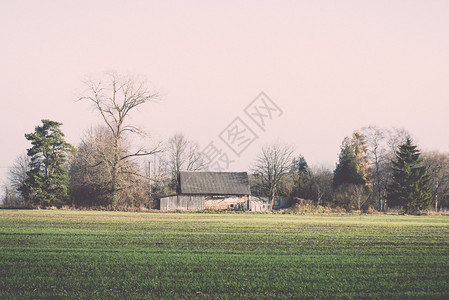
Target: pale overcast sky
<point x="330" y="67"/>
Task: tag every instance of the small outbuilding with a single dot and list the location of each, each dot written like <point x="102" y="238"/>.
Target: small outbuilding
<point x="210" y="190"/>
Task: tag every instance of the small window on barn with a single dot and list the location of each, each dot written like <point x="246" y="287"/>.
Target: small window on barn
<point x="231" y="205"/>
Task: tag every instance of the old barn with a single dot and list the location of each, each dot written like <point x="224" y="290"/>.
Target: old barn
<point x="211" y="190"/>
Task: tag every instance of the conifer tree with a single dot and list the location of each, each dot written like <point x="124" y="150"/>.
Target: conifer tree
<point x="410" y="187"/>
<point x="302" y="178"/>
<point x="347" y="171"/>
<point x="349" y="183"/>
<point x="47" y="180"/>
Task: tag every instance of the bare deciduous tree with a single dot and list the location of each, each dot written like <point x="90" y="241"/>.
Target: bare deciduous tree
<point x="352" y="196"/>
<point x="273" y="163"/>
<point x="321" y="184"/>
<point x="11" y="197"/>
<point x="375" y="138"/>
<point x="396" y="137"/>
<point x="437" y="165"/>
<point x="359" y="196"/>
<point x="183" y="155"/>
<point x="382" y="145"/>
<point x="17" y="175"/>
<point x="91" y="172"/>
<point x="115" y="100"/>
<point x="157" y="176"/>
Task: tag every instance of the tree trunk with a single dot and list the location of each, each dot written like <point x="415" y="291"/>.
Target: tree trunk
<point x="436" y="202"/>
<point x="273" y="195"/>
<point x="115" y="170"/>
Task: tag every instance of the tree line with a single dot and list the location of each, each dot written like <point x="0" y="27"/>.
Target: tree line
<point x="378" y="168"/>
<point x="106" y="169"/>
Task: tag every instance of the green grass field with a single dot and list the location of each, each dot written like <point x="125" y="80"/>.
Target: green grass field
<point x="77" y="254"/>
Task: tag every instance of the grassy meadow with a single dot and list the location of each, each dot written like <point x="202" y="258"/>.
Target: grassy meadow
<point x="86" y="254"/>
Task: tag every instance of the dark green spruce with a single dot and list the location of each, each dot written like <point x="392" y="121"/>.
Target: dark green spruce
<point x="47" y="181"/>
<point x="410" y="187"/>
<point x="346" y="172"/>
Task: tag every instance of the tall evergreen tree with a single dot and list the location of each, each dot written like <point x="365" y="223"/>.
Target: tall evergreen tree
<point x="348" y="178"/>
<point x="47" y="180"/>
<point x="347" y="171"/>
<point x="302" y="178"/>
<point x="410" y="187"/>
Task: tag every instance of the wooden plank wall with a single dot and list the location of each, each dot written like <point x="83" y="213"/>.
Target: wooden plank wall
<point x="182" y="202"/>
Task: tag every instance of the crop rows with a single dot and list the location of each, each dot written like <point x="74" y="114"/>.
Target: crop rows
<point x="112" y="255"/>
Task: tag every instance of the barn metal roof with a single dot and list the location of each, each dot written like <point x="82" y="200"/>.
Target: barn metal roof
<point x="214" y="183"/>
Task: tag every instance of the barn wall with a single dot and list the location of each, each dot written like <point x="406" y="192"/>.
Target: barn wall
<point x="259" y="204"/>
<point x="182" y="202"/>
<point x="232" y="202"/>
<point x="201" y="202"/>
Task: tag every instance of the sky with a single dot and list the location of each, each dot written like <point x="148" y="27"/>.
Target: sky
<point x="325" y="68"/>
